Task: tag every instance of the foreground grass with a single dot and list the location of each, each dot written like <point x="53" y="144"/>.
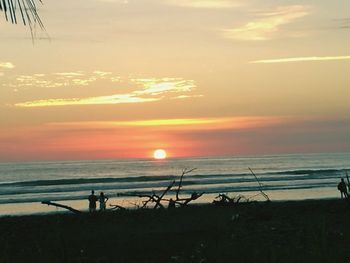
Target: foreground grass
<point x="308" y="231"/>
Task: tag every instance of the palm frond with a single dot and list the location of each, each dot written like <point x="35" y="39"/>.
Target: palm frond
<point x="26" y="10"/>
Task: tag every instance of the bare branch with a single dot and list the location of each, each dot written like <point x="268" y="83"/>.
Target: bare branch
<point x="157" y="199"/>
<point x="116" y="207"/>
<point x="260" y="186"/>
<point x="62" y="206"/>
<point x="184" y="172"/>
<point x="163" y="194"/>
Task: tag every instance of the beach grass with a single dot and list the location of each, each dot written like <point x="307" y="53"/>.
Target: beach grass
<point x="303" y="231"/>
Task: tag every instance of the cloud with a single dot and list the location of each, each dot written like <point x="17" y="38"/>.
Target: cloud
<point x="157" y="86"/>
<point x="300" y="59"/>
<point x="152" y="90"/>
<point x="70" y="74"/>
<point x="7" y="65"/>
<point x="343" y="23"/>
<point x="142" y="123"/>
<point x="102" y="73"/>
<point x="216" y="4"/>
<point x="188" y="96"/>
<point x="236" y="123"/>
<point x="59" y="79"/>
<point x="101" y="100"/>
<point x="267" y="24"/>
<point x="72" y="79"/>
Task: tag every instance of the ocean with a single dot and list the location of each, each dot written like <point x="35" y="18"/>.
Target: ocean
<point x="283" y="177"/>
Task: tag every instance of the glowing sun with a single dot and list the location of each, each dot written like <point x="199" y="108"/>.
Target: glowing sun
<point x="159" y="154"/>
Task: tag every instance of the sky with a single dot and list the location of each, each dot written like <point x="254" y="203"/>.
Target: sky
<point x="121" y="78"/>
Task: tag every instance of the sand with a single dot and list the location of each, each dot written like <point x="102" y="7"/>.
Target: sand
<point x="302" y="231"/>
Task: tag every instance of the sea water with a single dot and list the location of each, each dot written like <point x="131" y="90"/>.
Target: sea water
<point x="23" y="186"/>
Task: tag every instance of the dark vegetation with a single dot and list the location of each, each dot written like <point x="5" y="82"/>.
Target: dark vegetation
<point x="305" y="231"/>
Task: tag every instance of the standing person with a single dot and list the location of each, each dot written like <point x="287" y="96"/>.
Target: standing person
<point x="172" y="204"/>
<point x="92" y="202"/>
<point x="103" y="200"/>
<point x="348" y="182"/>
<point x="342" y="189"/>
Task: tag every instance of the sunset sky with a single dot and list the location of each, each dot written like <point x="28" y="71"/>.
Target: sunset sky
<point x="121" y="78"/>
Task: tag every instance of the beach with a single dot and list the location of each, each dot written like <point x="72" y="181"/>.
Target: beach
<point x="297" y="231"/>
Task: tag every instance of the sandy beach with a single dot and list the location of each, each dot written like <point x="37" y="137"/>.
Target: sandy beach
<point x="300" y="231"/>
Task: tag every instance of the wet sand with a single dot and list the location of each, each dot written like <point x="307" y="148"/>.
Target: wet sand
<point x="302" y="231"/>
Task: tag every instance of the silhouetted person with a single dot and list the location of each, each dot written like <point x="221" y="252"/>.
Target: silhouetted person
<point x="92" y="201"/>
<point x="171" y="204"/>
<point x="343" y="189"/>
<point x="103" y="200"/>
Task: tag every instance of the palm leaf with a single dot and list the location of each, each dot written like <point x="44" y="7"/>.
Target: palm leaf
<point x="25" y="10"/>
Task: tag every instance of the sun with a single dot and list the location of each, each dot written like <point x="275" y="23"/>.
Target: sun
<point x="159" y="154"/>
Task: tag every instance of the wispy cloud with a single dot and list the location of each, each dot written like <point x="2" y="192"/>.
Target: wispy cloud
<point x="155" y="86"/>
<point x="102" y="73"/>
<point x="142" y="123"/>
<point x="300" y="59"/>
<point x="59" y="79"/>
<point x="101" y="100"/>
<point x="7" y="65"/>
<point x="70" y="74"/>
<point x="206" y="3"/>
<point x="196" y="123"/>
<point x="188" y="96"/>
<point x="268" y="24"/>
<point x="152" y="90"/>
<point x="343" y="23"/>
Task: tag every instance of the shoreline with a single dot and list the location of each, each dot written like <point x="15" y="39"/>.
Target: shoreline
<point x="35" y="208"/>
<point x="198" y="204"/>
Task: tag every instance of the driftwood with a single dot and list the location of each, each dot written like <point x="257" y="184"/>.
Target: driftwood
<point x="260" y="186"/>
<point x="114" y="207"/>
<point x="157" y="199"/>
<point x="185" y="201"/>
<point x="62" y="206"/>
<point x="223" y="199"/>
<point x="150" y="198"/>
<point x="184" y="172"/>
<point x="348" y="188"/>
<point x="163" y="194"/>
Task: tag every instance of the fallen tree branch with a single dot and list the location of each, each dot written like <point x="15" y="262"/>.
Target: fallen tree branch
<point x="223" y="199"/>
<point x="116" y="207"/>
<point x="260" y="186"/>
<point x="157" y="199"/>
<point x="186" y="201"/>
<point x="184" y="172"/>
<point x="62" y="206"/>
<point x="163" y="194"/>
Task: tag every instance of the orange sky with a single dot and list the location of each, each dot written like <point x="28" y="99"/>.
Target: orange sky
<point x="119" y="79"/>
<point x="180" y="138"/>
